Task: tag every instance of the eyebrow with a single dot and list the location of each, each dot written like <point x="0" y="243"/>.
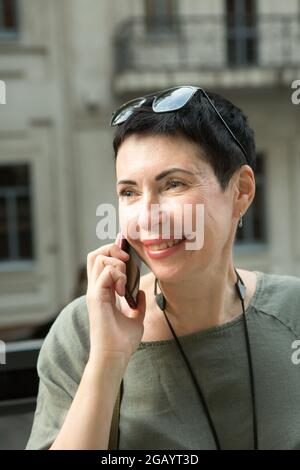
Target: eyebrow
<point x="160" y="176"/>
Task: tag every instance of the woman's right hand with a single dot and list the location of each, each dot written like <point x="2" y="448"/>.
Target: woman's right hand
<point x="114" y="329"/>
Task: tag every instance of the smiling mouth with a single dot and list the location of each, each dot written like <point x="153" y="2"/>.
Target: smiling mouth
<point x="165" y="245"/>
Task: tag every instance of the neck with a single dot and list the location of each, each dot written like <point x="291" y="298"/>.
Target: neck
<point x="203" y="301"/>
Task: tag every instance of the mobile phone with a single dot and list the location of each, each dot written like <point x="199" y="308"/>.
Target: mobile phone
<point x="133" y="273"/>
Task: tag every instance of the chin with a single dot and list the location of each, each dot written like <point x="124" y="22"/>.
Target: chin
<point x="170" y="274"/>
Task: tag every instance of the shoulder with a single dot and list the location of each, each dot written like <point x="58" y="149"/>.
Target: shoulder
<point x="278" y="296"/>
<point x="73" y="318"/>
<point x="75" y="315"/>
<point x="60" y="367"/>
<point x="66" y="346"/>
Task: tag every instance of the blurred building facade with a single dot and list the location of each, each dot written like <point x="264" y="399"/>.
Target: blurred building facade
<point x="68" y="63"/>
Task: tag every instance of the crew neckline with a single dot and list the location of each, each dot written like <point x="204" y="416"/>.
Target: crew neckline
<point x="214" y="329"/>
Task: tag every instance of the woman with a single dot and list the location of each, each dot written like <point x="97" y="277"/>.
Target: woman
<point x="207" y="363"/>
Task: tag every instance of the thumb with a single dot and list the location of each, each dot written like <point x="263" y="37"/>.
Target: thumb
<point x="140" y="311"/>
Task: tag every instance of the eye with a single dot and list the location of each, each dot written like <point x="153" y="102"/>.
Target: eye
<point x="123" y="192"/>
<point x="175" y="183"/>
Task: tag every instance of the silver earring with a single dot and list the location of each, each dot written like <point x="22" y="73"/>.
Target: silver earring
<point x="240" y="221"/>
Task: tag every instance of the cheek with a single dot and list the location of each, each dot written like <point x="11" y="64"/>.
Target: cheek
<point x="180" y="215"/>
<point x="217" y="222"/>
<point x="217" y="206"/>
<point x="215" y="214"/>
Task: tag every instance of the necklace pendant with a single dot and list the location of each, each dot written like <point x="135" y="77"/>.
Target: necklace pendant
<point x="241" y="289"/>
<point x="161" y="301"/>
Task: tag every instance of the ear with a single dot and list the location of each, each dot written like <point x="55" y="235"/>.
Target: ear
<point x="245" y="190"/>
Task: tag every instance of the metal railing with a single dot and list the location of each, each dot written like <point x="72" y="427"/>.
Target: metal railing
<point x="18" y="377"/>
<point x="207" y="42"/>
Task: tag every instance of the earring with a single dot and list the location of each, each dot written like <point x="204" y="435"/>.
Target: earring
<point x="240" y="224"/>
<point x="160" y="299"/>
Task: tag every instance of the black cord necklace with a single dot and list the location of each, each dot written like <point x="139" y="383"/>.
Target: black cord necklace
<point x="241" y="291"/>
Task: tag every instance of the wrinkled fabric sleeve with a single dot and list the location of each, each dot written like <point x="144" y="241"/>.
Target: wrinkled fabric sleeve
<point x="60" y="366"/>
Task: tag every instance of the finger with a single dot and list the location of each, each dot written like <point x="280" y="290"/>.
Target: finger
<point x="118" y="239"/>
<point x="102" y="261"/>
<point x="122" y="305"/>
<point x="109" y="278"/>
<point x="140" y="311"/>
<point x="111" y="250"/>
<point x="134" y="312"/>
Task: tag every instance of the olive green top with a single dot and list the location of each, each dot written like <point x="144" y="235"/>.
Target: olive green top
<point x="160" y="408"/>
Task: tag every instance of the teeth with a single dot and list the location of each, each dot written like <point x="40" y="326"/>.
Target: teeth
<point x="163" y="246"/>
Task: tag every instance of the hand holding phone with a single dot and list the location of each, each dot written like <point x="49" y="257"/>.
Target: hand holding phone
<point x="116" y="328"/>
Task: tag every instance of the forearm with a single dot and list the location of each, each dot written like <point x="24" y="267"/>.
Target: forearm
<point x="87" y="423"/>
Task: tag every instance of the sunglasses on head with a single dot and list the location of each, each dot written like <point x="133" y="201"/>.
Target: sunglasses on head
<point x="166" y="101"/>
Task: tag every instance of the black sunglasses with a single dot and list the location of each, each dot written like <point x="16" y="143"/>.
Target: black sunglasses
<point x="166" y="101"/>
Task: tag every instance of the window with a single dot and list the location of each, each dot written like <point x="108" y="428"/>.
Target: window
<point x="254" y="221"/>
<point x="241" y="32"/>
<point x="161" y="16"/>
<point x="16" y="242"/>
<point x="8" y="18"/>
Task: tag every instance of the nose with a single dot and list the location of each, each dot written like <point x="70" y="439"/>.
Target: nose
<point x="151" y="215"/>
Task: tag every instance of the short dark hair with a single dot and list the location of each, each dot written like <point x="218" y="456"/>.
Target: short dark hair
<point x="198" y="122"/>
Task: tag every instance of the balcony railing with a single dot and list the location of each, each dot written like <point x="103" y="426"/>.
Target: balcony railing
<point x="18" y="377"/>
<point x="208" y="43"/>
